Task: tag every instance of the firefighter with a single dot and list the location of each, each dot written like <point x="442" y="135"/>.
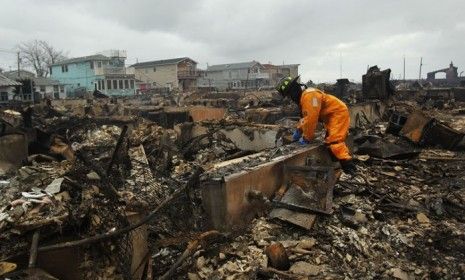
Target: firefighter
<point x="317" y="106"/>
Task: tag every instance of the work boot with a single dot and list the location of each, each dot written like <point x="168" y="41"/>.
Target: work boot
<point x="348" y="166"/>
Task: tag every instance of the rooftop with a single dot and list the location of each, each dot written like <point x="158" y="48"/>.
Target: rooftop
<point x="5" y="82"/>
<point x="232" y="66"/>
<point x="160" y="62"/>
<point x="42" y="81"/>
<point x="82" y="59"/>
<point x="14" y="74"/>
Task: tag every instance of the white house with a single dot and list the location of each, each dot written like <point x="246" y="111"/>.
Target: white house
<point x="242" y="75"/>
<point x="49" y="88"/>
<point x="7" y="87"/>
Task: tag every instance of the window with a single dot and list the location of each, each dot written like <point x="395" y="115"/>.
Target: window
<point x="62" y="89"/>
<point x="132" y="84"/>
<point x="126" y="84"/>
<point x="91" y="65"/>
<point x="99" y="64"/>
<point x="50" y="70"/>
<point x="120" y="84"/>
<point x="42" y="88"/>
<point x="55" y="88"/>
<point x="64" y="68"/>
<point x="3" y="96"/>
<point x="108" y="84"/>
<point x="99" y="87"/>
<point x="154" y="69"/>
<point x="115" y="84"/>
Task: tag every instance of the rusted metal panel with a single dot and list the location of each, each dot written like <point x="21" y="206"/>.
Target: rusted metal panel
<point x="428" y="131"/>
<point x="438" y="134"/>
<point x="310" y="191"/>
<point x="225" y="200"/>
<point x="413" y="127"/>
<point x="310" y="187"/>
<point x="200" y="113"/>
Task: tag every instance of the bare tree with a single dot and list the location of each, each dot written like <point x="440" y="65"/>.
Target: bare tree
<point x="39" y="55"/>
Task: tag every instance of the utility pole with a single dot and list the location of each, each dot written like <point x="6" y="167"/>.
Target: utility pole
<point x="404" y="68"/>
<point x="32" y="90"/>
<point x="421" y="64"/>
<point x="17" y="53"/>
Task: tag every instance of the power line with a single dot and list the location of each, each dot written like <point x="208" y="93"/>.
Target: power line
<point x="7" y="51"/>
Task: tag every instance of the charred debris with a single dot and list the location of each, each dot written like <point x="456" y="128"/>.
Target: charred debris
<point x="208" y="186"/>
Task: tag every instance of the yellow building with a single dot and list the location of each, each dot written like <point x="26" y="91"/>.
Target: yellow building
<point x="177" y="73"/>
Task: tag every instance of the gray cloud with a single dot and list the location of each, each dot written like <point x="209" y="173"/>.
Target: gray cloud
<point x="317" y="34"/>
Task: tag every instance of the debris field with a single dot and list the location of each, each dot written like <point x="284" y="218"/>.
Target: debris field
<point x="153" y="188"/>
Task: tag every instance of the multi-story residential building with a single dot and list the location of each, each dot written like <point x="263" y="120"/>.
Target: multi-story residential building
<point x="277" y="72"/>
<point x="244" y="75"/>
<point x="177" y="73"/>
<point x="105" y="73"/>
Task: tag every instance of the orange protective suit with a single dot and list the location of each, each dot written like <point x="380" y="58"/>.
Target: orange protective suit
<point x="333" y="113"/>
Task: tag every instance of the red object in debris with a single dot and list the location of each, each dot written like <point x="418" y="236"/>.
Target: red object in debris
<point x="277" y="256"/>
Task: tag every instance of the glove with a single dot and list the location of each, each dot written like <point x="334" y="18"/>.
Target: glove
<point x="302" y="141"/>
<point x="348" y="167"/>
<point x="296" y="136"/>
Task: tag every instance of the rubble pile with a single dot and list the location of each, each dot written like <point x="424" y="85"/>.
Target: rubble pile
<point x="89" y="195"/>
<point x="399" y="219"/>
<point x="127" y="191"/>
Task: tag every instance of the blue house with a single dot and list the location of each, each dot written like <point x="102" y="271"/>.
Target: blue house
<point x="96" y="72"/>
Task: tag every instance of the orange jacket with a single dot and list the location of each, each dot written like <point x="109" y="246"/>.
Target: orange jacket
<point x="317" y="106"/>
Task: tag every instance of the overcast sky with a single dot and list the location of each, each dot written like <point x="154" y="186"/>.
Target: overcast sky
<point x="319" y="35"/>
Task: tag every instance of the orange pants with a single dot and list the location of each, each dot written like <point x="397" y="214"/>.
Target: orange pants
<point x="337" y="128"/>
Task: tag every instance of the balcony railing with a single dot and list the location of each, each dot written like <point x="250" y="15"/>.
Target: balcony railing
<point x="114" y="70"/>
<point x="110" y="70"/>
<point x="188" y="74"/>
<point x="259" y="76"/>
